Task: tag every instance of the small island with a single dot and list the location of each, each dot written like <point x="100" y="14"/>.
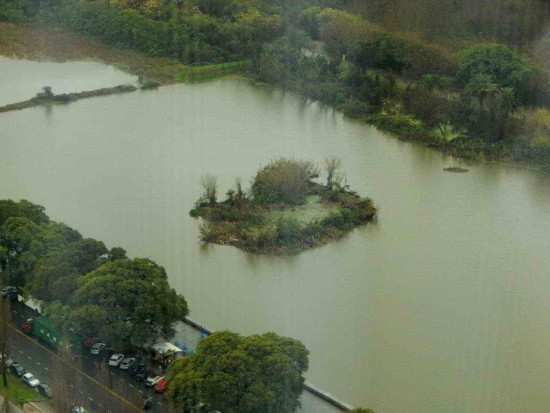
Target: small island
<point x="285" y="211"/>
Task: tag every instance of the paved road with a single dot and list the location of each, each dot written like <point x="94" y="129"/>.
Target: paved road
<point x="95" y="386"/>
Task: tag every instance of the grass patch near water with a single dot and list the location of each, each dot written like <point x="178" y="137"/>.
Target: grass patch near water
<point x="214" y="71"/>
<point x="314" y="209"/>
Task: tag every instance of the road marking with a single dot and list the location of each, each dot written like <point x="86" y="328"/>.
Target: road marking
<point x="90" y="398"/>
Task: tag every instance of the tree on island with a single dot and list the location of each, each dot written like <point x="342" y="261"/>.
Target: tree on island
<point x="210" y="186"/>
<point x="332" y="164"/>
<point x="286" y="211"/>
<point x="236" y="374"/>
<point x="283" y="180"/>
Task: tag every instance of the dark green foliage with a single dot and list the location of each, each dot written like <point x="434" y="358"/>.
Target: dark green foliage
<point x="236" y="374"/>
<point x="245" y="222"/>
<point x="23" y="208"/>
<point x="133" y="293"/>
<point x="289" y="232"/>
<point x="501" y="66"/>
<point x="89" y="290"/>
<point x="55" y="276"/>
<point x="25" y="242"/>
<point x="283" y="180"/>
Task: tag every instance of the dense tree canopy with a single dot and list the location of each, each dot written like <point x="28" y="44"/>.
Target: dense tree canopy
<point x="495" y="62"/>
<point x="55" y="275"/>
<point x="87" y="289"/>
<point x="236" y="374"/>
<point x="283" y="180"/>
<point x="24" y="242"/>
<point x="134" y="298"/>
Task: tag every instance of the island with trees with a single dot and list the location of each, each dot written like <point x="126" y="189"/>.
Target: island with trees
<point x="285" y="211"/>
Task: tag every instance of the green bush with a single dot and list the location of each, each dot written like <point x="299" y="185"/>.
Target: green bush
<point x="283" y="180"/>
<point x="289" y="231"/>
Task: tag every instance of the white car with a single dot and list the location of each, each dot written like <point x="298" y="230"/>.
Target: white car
<point x="29" y="379"/>
<point x="78" y="409"/>
<point x="96" y="348"/>
<point x="115" y="360"/>
<point x="151" y="381"/>
<point x="127" y="362"/>
<point x="8" y="361"/>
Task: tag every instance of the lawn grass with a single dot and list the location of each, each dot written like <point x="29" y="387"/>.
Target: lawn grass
<point x="312" y="210"/>
<point x="208" y="72"/>
<point x="17" y="390"/>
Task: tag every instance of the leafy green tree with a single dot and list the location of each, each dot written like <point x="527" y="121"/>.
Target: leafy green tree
<point x="87" y="320"/>
<point x="25" y="242"/>
<point x="117" y="253"/>
<point x="138" y="304"/>
<point x="361" y="410"/>
<point x="283" y="180"/>
<point x="23" y="209"/>
<point x="232" y="373"/>
<point x="55" y="274"/>
<point x="494" y="64"/>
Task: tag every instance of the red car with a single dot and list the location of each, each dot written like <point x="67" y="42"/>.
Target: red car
<point x="161" y="387"/>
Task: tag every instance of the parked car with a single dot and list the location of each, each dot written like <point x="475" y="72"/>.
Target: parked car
<point x="29" y="379"/>
<point x="127" y="362"/>
<point x="161" y="387"/>
<point x="144" y="375"/>
<point x="136" y="368"/>
<point x="8" y="361"/>
<point x="78" y="409"/>
<point x="10" y="292"/>
<point x="97" y="348"/>
<point x="17" y="369"/>
<point x="45" y="390"/>
<point x="151" y="381"/>
<point x="116" y="359"/>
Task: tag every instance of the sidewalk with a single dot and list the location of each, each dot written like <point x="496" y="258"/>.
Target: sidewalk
<point x="37" y="407"/>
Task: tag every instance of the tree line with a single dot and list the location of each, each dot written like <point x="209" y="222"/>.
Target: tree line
<point x="457" y="75"/>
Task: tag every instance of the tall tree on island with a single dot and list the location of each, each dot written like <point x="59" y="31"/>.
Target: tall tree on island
<point x="236" y="374"/>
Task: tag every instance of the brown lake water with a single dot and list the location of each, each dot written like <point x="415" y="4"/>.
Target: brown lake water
<point x="443" y="305"/>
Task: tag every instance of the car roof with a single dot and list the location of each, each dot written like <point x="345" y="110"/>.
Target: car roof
<point x="28" y="375"/>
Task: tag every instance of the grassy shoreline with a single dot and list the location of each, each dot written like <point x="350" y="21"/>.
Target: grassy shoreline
<point x="46" y="43"/>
